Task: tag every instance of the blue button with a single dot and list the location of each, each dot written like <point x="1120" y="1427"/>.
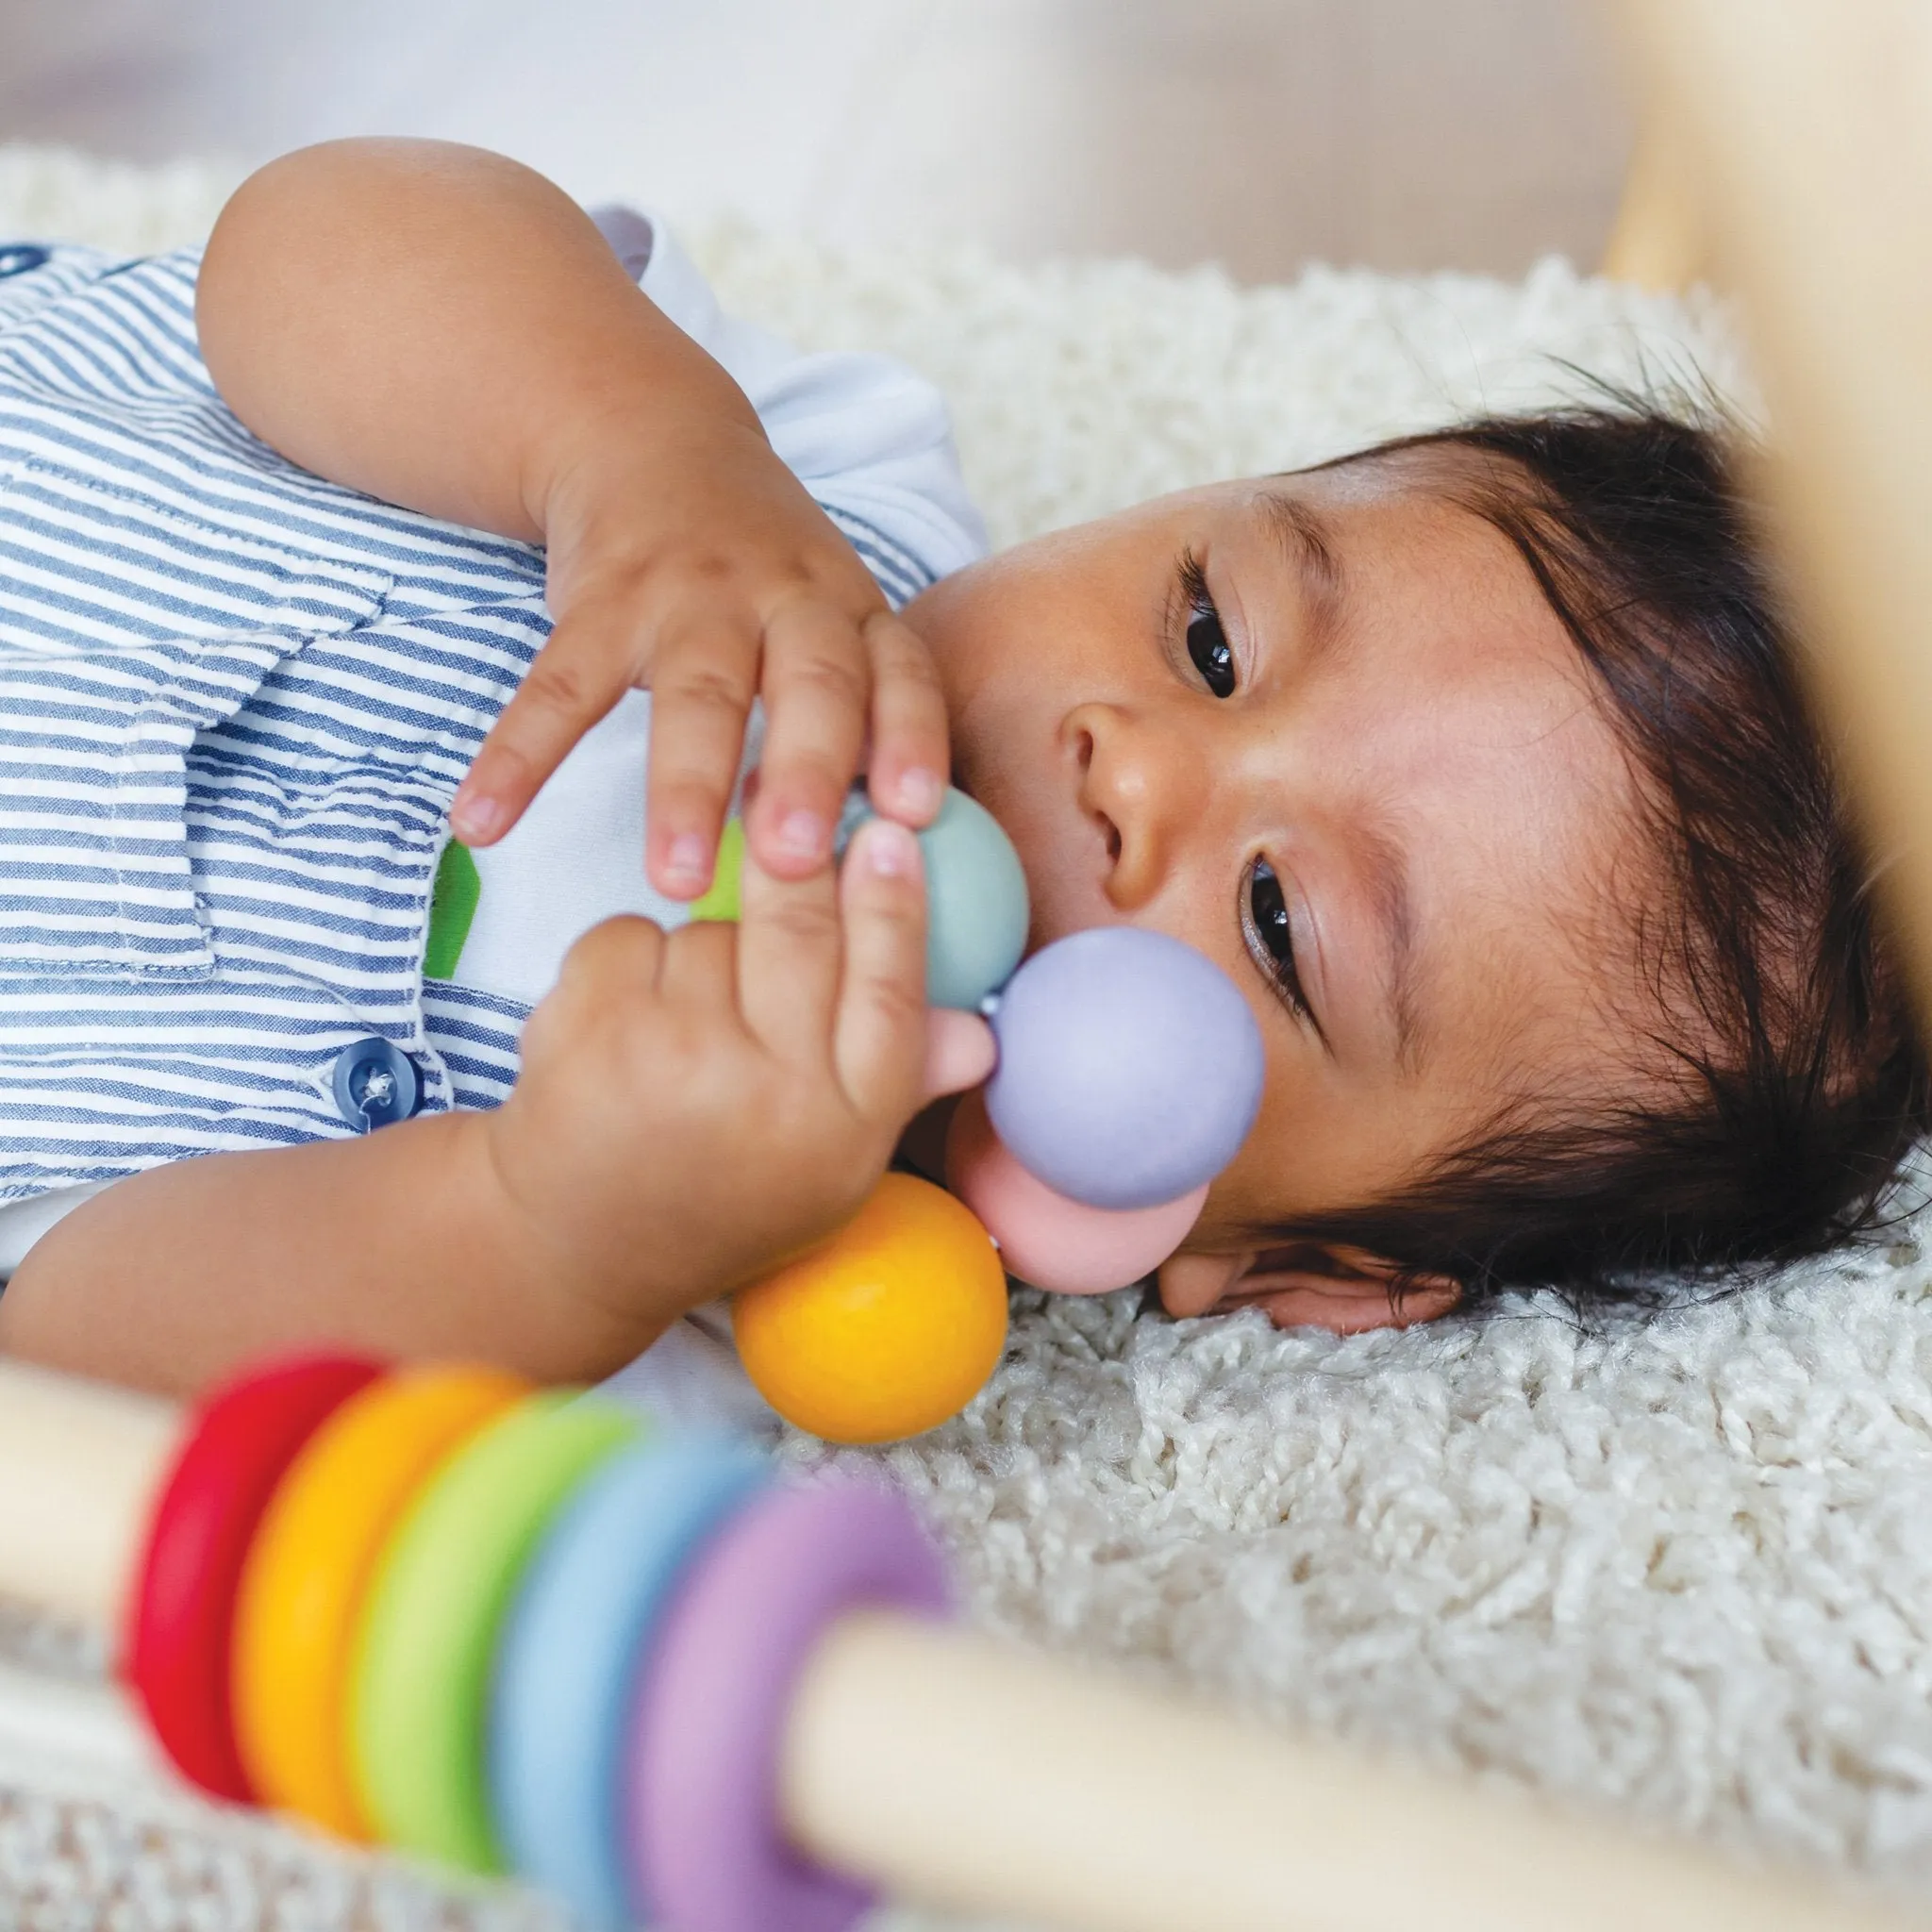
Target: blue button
<point x="18" y="257"/>
<point x="375" y="1083"/>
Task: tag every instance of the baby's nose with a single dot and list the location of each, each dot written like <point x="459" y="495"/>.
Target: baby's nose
<point x="1127" y="791"/>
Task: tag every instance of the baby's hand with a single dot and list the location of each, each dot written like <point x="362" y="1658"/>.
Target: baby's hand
<point x="698" y="566"/>
<point x="695" y="1108"/>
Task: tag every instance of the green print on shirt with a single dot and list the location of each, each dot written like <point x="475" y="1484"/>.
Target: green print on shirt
<point x="452" y="907"/>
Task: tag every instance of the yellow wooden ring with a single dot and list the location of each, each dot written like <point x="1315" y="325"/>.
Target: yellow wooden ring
<point x="309" y="1567"/>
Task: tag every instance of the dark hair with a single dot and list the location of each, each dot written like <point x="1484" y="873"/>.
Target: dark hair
<point x="1786" y="1083"/>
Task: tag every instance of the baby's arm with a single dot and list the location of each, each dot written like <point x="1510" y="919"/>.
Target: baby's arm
<point x="693" y="1108"/>
<point x="440" y="327"/>
<point x="443" y="328"/>
<point x="400" y="1242"/>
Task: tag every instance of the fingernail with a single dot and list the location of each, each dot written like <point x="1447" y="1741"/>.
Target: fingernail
<point x="891" y="850"/>
<point x="920" y="791"/>
<point x="472" y="819"/>
<point x="802" y="835"/>
<point x="686" y="858"/>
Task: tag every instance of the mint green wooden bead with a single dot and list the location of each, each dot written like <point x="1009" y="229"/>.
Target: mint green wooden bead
<point x="976" y="904"/>
<point x="975" y="896"/>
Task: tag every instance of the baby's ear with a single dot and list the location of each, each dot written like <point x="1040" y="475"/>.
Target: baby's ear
<point x="1324" y="1285"/>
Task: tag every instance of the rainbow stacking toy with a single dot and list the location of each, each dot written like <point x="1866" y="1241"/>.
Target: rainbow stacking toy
<point x="508" y="1628"/>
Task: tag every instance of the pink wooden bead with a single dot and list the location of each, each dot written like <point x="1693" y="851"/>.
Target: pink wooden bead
<point x="1046" y="1240"/>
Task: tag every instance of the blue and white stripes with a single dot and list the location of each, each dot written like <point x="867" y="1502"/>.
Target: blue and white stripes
<point x="234" y="704"/>
<point x="234" y="701"/>
<point x="896" y="570"/>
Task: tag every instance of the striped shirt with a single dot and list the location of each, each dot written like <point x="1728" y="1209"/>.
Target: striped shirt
<point x="236" y="700"/>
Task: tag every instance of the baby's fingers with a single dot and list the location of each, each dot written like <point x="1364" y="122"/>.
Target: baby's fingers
<point x="961" y="1052"/>
<point x="588" y="663"/>
<point x="816" y="680"/>
<point x="907" y="777"/>
<point x="702" y="685"/>
<point x="879" y="1029"/>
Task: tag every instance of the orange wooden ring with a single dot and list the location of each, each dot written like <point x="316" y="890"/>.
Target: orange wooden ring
<point x="309" y="1567"/>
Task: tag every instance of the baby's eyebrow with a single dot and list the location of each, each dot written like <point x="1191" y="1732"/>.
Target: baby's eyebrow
<point x="1305" y="536"/>
<point x="1395" y="912"/>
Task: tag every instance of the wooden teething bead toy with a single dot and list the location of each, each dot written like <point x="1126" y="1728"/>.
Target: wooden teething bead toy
<point x="975" y="895"/>
<point x="887" y="1328"/>
<point x="1048" y="1241"/>
<point x="1129" y="1072"/>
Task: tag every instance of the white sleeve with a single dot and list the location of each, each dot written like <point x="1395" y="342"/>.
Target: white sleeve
<point x="24" y="1221"/>
<point x="690" y="1378"/>
<point x="866" y="436"/>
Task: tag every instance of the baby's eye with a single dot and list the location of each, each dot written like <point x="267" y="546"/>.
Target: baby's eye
<point x="1208" y="648"/>
<point x="1206" y="642"/>
<point x="1269" y="934"/>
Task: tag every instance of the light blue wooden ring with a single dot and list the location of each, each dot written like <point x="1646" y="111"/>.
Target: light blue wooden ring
<point x="574" y="1645"/>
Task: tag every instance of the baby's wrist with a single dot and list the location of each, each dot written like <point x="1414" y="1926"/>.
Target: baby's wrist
<point x="619" y="438"/>
<point x="574" y="1321"/>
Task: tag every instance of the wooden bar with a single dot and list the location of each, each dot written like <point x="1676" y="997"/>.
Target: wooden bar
<point x="79" y="1464"/>
<point x="1657" y="241"/>
<point x="1805" y="132"/>
<point x="962" y="1773"/>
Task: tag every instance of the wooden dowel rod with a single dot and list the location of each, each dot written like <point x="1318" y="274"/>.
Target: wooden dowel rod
<point x="1656" y="240"/>
<point x="1801" y="124"/>
<point x="954" y="1770"/>
<point x="79" y="1464"/>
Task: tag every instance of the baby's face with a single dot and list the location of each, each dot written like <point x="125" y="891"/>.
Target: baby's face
<point x="1325" y="728"/>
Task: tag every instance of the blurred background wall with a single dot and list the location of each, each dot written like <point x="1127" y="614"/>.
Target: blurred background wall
<point x="1401" y="134"/>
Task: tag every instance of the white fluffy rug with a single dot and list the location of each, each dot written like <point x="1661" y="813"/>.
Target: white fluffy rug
<point x="1682" y="1569"/>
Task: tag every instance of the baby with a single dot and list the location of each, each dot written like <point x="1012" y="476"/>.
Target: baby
<point x="1475" y="759"/>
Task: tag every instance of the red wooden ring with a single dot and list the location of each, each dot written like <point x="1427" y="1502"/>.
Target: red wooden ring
<point x="240" y="1441"/>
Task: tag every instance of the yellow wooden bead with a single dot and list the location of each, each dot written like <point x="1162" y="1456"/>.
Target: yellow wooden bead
<point x="887" y="1329"/>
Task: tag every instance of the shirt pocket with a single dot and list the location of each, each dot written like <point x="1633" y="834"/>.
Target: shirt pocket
<point x="131" y="631"/>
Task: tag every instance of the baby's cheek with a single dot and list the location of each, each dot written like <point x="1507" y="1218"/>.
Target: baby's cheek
<point x="1314" y="1146"/>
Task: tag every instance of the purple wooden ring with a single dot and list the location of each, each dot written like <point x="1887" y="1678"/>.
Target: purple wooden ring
<point x="700" y="1803"/>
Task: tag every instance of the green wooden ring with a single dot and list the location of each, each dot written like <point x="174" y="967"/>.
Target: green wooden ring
<point x="420" y="1673"/>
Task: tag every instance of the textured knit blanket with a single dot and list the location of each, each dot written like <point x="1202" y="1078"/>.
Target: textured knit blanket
<point x="1679" y="1568"/>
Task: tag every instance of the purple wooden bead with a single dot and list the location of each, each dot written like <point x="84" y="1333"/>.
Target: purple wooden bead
<point x="1130" y="1067"/>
